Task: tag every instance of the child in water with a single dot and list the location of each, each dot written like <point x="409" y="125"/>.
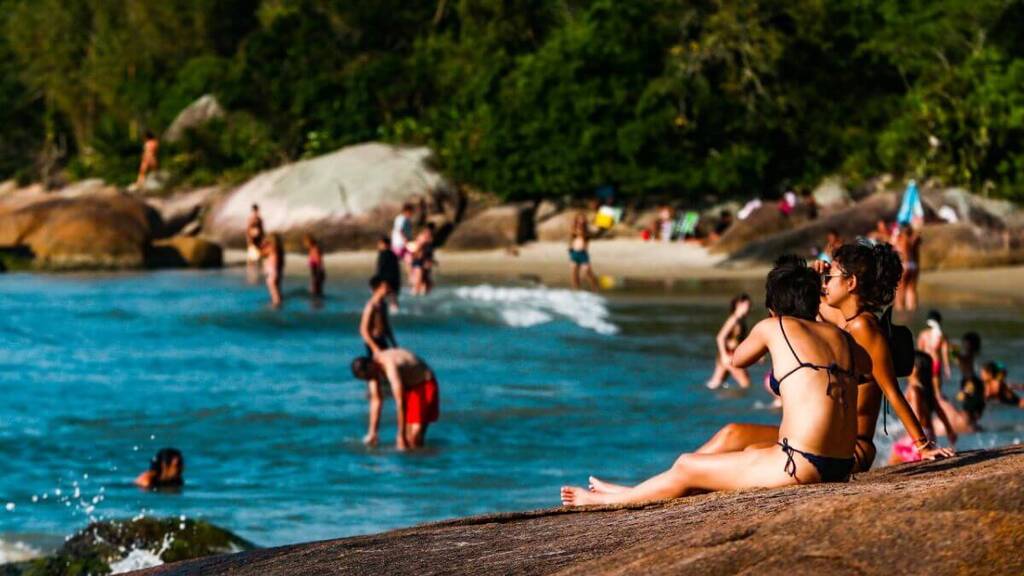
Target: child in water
<point x="733" y="331"/>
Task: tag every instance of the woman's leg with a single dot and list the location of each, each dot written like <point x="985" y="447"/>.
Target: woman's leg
<point x="738" y="437"/>
<point x="718" y="376"/>
<point x="591" y="279"/>
<point x="741" y="376"/>
<point x="761" y="468"/>
<point x="575" y="276"/>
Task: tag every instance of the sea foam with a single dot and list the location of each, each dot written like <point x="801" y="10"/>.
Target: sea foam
<point x="524" y="307"/>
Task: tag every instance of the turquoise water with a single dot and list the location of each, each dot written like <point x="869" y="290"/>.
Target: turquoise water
<point x="539" y="387"/>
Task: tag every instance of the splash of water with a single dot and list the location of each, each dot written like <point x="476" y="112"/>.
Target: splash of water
<point x="524" y="307"/>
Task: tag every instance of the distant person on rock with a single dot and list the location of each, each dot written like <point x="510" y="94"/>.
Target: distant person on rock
<point x="374" y="325"/>
<point x="414" y="388"/>
<point x="166" y="470"/>
<point x="733" y="331"/>
<point x="254" y="237"/>
<point x="579" y="256"/>
<point x="149" y="162"/>
<point x="273" y="267"/>
<point x="316" y="265"/>
<point x="388" y="268"/>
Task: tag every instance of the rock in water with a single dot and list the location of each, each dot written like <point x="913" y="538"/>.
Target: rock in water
<point x="100" y="231"/>
<point x="196" y="114"/>
<point x="348" y="197"/>
<point x="185" y="252"/>
<point x="145" y="542"/>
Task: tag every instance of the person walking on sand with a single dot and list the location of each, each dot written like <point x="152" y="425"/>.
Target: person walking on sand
<point x="273" y="267"/>
<point x="254" y="237"/>
<point x="579" y="256"/>
<point x="817" y="364"/>
<point x="414" y="388"/>
<point x="733" y="331"/>
<point x="149" y="162"/>
<point x="374" y="325"/>
<point x="316" y="265"/>
<point x="933" y="342"/>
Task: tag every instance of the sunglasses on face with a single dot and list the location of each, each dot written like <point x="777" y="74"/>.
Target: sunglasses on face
<point x="826" y="277"/>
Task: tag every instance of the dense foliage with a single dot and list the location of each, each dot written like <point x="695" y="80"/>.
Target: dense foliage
<point x="528" y="98"/>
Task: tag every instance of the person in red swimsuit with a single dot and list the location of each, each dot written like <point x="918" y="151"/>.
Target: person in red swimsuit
<point x="414" y="388"/>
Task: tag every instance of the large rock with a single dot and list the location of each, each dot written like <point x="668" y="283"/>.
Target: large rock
<point x="766" y="220"/>
<point x="180" y="210"/>
<point x="185" y="252"/>
<point x="958" y="516"/>
<point x="945" y="246"/>
<point x="348" y="198"/>
<point x="849" y="223"/>
<point x="203" y="110"/>
<point x="831" y="193"/>
<point x="557" y="228"/>
<point x="497" y="227"/>
<point x="102" y="231"/>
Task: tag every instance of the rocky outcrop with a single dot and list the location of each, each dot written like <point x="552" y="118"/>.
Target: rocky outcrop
<point x="497" y="227"/>
<point x="202" y="111"/>
<point x="347" y="198"/>
<point x="185" y="252"/>
<point x="957" y="516"/>
<point x="831" y="193"/>
<point x="131" y="544"/>
<point x="98" y="231"/>
<point x="849" y="223"/>
<point x="557" y="228"/>
<point x="180" y="211"/>
<point x="945" y="246"/>
<point x="762" y="222"/>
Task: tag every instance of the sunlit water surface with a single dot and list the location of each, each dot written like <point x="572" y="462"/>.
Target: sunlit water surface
<point x="539" y="387"/>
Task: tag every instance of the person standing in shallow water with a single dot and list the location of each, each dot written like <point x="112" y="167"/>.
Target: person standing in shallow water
<point x="414" y="388"/>
<point x="374" y="325"/>
<point x="316" y="265"/>
<point x="579" y="256"/>
<point x="388" y="268"/>
<point x="934" y="343"/>
<point x="273" y="267"/>
<point x="254" y="237"/>
<point x="733" y="331"/>
<point x="818" y="366"/>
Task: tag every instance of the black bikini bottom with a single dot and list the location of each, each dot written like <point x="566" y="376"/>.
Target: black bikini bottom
<point x="830" y="469"/>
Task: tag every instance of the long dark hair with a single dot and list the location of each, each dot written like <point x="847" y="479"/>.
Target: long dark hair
<point x="877" y="268"/>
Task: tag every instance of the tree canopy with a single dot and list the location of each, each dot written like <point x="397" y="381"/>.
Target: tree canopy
<point x="528" y="98"/>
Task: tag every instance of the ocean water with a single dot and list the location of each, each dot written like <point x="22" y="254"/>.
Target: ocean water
<point x="539" y="387"/>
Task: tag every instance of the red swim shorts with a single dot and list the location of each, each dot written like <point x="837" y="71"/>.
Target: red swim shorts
<point x="422" y="403"/>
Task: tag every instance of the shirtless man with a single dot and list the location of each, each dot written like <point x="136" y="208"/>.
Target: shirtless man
<point x="374" y="327"/>
<point x="933" y="342"/>
<point x="149" y="160"/>
<point x="414" y="388"/>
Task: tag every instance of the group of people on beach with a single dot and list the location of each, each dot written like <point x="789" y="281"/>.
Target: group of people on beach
<point x="832" y="365"/>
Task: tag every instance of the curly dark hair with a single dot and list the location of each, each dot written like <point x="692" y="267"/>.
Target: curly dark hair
<point x="793" y="289"/>
<point x="877" y="268"/>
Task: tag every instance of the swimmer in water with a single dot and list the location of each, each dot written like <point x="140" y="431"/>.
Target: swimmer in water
<point x="414" y="388"/>
<point x="993" y="376"/>
<point x="732" y="332"/>
<point x="166" y="470"/>
<point x="579" y="254"/>
<point x="921" y="397"/>
<point x="933" y="342"/>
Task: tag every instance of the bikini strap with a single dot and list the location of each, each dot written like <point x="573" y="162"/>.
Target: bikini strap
<point x="786" y="338"/>
<point x="790" y="467"/>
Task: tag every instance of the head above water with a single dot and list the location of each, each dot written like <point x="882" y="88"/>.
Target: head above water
<point x="743" y="298"/>
<point x="793" y="289"/>
<point x="167" y="466"/>
<point x="364" y="368"/>
<point x="868" y="272"/>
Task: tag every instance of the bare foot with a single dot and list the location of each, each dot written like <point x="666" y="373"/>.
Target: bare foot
<point x="602" y="487"/>
<point x="712" y="385"/>
<point x="575" y="496"/>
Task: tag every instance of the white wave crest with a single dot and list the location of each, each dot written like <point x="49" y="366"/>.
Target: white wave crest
<point x="17" y="552"/>
<point x="524" y="307"/>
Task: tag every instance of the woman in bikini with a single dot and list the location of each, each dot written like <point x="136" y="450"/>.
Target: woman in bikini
<point x="816" y="365"/>
<point x="316" y="265"/>
<point x="860" y="281"/>
<point x="578" y="254"/>
<point x="923" y="401"/>
<point x="273" y="266"/>
<point x="733" y="331"/>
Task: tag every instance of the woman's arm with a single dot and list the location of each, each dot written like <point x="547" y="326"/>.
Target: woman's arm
<point x="871" y="339"/>
<point x="944" y="347"/>
<point x="364" y="328"/>
<point x="941" y="413"/>
<point x="753" y="347"/>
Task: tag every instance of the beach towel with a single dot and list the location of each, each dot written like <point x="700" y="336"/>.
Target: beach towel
<point x="686" y="225"/>
<point x="911" y="206"/>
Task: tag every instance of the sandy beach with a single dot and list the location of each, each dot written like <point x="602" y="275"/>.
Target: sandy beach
<point x="618" y="261"/>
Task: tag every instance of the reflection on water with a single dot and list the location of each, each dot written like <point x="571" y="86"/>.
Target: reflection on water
<point x="539" y="387"/>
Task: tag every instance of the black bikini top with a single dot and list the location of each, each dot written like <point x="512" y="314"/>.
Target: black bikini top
<point x="830" y="369"/>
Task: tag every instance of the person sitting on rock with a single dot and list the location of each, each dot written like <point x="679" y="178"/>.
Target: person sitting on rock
<point x="818" y="367"/>
<point x="166" y="470"/>
<point x="414" y="388"/>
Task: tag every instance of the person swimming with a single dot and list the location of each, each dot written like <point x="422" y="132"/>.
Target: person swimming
<point x="993" y="376"/>
<point x="816" y="440"/>
<point x="166" y="470"/>
<point x="732" y="332"/>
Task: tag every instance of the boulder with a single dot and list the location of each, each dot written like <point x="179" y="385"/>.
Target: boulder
<point x="185" y="252"/>
<point x="945" y="246"/>
<point x="961" y="515"/>
<point x="763" y="221"/>
<point x="849" y="223"/>
<point x="557" y="228"/>
<point x="107" y="231"/>
<point x="347" y="198"/>
<point x="182" y="209"/>
<point x="497" y="227"/>
<point x="196" y="114"/>
<point x="87" y="187"/>
<point x="545" y="209"/>
<point x="831" y="193"/>
<point x="121" y="546"/>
